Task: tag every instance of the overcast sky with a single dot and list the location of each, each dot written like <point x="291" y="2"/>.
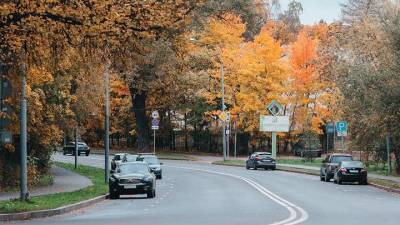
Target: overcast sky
<point x="315" y="10"/>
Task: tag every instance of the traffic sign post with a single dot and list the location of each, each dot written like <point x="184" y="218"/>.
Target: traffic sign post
<point x="154" y="126"/>
<point x="330" y="128"/>
<point x="341" y="130"/>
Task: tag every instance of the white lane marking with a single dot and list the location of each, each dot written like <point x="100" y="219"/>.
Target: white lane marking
<point x="293" y="215"/>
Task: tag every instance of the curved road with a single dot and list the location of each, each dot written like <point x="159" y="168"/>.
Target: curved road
<point x="199" y="194"/>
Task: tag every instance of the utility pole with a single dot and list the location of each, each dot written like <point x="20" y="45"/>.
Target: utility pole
<point x="23" y="138"/>
<point x="223" y="109"/>
<point x="106" y="122"/>
<point x="76" y="147"/>
<point x="235" y="147"/>
<point x="388" y="154"/>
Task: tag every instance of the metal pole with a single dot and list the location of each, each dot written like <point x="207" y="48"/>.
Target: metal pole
<point x="223" y="110"/>
<point x="106" y="124"/>
<point x="235" y="147"/>
<point x="23" y="138"/>
<point x="228" y="135"/>
<point x="154" y="141"/>
<point x="334" y="136"/>
<point x="76" y="147"/>
<point x="327" y="139"/>
<point x="274" y="145"/>
<point x="388" y="154"/>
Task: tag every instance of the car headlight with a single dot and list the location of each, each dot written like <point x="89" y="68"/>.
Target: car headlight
<point x="156" y="168"/>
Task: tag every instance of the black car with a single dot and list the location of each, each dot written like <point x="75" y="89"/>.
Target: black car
<point x="82" y="148"/>
<point x="132" y="178"/>
<point x="261" y="160"/>
<point x="330" y="163"/>
<point x="153" y="162"/>
<point x="350" y="171"/>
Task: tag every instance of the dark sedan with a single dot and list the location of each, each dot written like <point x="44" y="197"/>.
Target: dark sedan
<point x="132" y="178"/>
<point x="350" y="171"/>
<point x="261" y="160"/>
<point x="154" y="164"/>
<point x="82" y="148"/>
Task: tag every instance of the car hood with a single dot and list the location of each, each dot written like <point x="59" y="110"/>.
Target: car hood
<point x="131" y="176"/>
<point x="154" y="166"/>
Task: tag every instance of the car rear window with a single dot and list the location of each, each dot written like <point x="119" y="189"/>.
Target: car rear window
<point x="117" y="157"/>
<point x="264" y="156"/>
<point x="352" y="164"/>
<point x="338" y="159"/>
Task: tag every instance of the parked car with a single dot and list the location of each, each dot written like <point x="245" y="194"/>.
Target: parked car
<point x="132" y="178"/>
<point x="330" y="163"/>
<point x="130" y="158"/>
<point x="154" y="164"/>
<point x="351" y="171"/>
<point x="261" y="160"/>
<point x="117" y="159"/>
<point x="82" y="148"/>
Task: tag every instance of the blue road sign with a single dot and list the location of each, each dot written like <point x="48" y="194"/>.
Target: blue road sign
<point x="341" y="128"/>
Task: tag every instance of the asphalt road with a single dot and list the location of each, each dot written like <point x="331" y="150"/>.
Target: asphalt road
<point x="201" y="193"/>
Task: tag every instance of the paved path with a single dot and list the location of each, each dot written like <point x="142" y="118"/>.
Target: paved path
<point x="64" y="181"/>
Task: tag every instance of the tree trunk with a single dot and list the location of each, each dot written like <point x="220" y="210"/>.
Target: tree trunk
<point x="142" y="121"/>
<point x="397" y="159"/>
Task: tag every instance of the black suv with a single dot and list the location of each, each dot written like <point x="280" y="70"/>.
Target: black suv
<point x="261" y="160"/>
<point x="330" y="163"/>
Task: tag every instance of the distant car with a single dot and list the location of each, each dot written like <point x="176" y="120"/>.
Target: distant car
<point x="117" y="159"/>
<point x="261" y="160"/>
<point x="154" y="164"/>
<point x="132" y="178"/>
<point x="351" y="171"/>
<point x="82" y="148"/>
<point x="129" y="158"/>
<point x="330" y="163"/>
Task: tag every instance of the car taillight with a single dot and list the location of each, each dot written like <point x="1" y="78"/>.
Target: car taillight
<point x="343" y="170"/>
<point x="258" y="158"/>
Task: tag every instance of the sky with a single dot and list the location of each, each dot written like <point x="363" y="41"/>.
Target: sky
<point x="315" y="10"/>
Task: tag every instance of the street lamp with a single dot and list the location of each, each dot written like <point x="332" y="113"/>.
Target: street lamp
<point x="106" y="122"/>
<point x="222" y="97"/>
<point x="23" y="137"/>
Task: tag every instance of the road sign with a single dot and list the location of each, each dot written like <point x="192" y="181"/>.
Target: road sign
<point x="5" y="137"/>
<point x="274" y="123"/>
<point x="223" y="116"/>
<point x="341" y="128"/>
<point x="155" y="115"/>
<point x="275" y="108"/>
<point x="155" y="124"/>
<point x="228" y="116"/>
<point x="330" y="128"/>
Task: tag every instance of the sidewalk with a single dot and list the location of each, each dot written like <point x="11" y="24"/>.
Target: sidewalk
<point x="64" y="181"/>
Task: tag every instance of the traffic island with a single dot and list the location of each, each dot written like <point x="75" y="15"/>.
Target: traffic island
<point x="59" y="203"/>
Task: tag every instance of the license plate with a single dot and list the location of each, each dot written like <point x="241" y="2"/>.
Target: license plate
<point x="353" y="171"/>
<point x="130" y="186"/>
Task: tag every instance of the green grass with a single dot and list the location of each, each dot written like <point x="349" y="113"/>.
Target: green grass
<point x="234" y="162"/>
<point x="175" y="156"/>
<point x="385" y="183"/>
<point x="96" y="175"/>
<point x="299" y="161"/>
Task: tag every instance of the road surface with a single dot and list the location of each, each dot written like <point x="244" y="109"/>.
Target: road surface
<point x="194" y="193"/>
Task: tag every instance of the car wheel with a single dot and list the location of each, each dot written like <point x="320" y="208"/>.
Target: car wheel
<point x="79" y="153"/>
<point x="64" y="153"/>
<point x="247" y="167"/>
<point x="327" y="177"/>
<point x="151" y="194"/>
<point x="87" y="153"/>
<point x="159" y="177"/>
<point x="255" y="167"/>
<point x="273" y="168"/>
<point x="113" y="194"/>
<point x="363" y="182"/>
<point x="339" y="181"/>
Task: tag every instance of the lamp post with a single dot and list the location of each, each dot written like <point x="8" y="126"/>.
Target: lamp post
<point x="23" y="137"/>
<point x="106" y="123"/>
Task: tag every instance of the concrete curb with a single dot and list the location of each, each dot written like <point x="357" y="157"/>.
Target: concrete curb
<point x="51" y="212"/>
<point x="315" y="173"/>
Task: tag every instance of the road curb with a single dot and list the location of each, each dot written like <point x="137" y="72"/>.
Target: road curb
<point x="51" y="212"/>
<point x="314" y="173"/>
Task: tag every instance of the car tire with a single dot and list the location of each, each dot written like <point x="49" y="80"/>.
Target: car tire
<point x="87" y="153"/>
<point x="151" y="194"/>
<point x="363" y="182"/>
<point x="113" y="194"/>
<point x="79" y="153"/>
<point x="339" y="181"/>
<point x="255" y="167"/>
<point x="273" y="168"/>
<point x="159" y="176"/>
<point x="247" y="167"/>
<point x="64" y="153"/>
<point x="321" y="178"/>
<point x="327" y="177"/>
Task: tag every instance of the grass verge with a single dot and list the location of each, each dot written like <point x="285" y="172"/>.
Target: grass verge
<point x="96" y="175"/>
<point x="385" y="183"/>
<point x="233" y="162"/>
<point x="175" y="156"/>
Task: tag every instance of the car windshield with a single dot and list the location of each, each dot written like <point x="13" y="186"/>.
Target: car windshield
<point x="151" y="160"/>
<point x="352" y="164"/>
<point x="133" y="168"/>
<point x="131" y="158"/>
<point x="338" y="159"/>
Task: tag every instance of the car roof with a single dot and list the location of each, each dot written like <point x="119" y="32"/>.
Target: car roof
<point x="262" y="153"/>
<point x="136" y="162"/>
<point x="120" y="154"/>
